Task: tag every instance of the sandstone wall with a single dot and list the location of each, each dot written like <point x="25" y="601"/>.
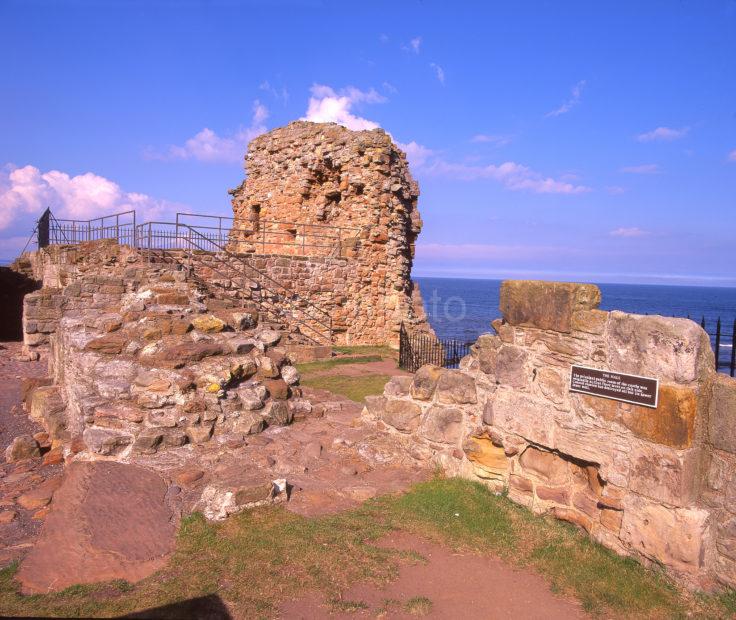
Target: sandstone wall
<point x="142" y="359"/>
<point x="656" y="483"/>
<point x="358" y="185"/>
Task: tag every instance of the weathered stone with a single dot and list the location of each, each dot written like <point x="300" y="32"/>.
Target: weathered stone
<point x="277" y="388"/>
<point x="300" y="408"/>
<point x="612" y="519"/>
<point x="375" y="405"/>
<point x="290" y="375"/>
<point x="546" y="305"/>
<point x="47" y="407"/>
<point x="558" y="495"/>
<point x="488" y="412"/>
<point x="110" y="344"/>
<point x="398" y="386"/>
<point x="511" y="366"/>
<point x="663" y="474"/>
<point x="590" y="321"/>
<point x="208" y="323"/>
<point x="572" y="516"/>
<point x="178" y="355"/>
<point x="442" y="424"/>
<point x="278" y="413"/>
<point x="402" y="415"/>
<point x="188" y="477"/>
<point x="425" y="381"/>
<point x="488" y="460"/>
<point x="674" y="537"/>
<point x="722" y="416"/>
<point x="39" y="496"/>
<point x="586" y="503"/>
<point x="269" y="337"/>
<point x="454" y="387"/>
<point x="106" y="442"/>
<point x="552" y="384"/>
<point x="200" y="433"/>
<point x="673" y="350"/>
<point x="546" y="465"/>
<point x="240" y="345"/>
<point x="672" y="423"/>
<point x="250" y="398"/>
<point x="120" y="412"/>
<point x="250" y="423"/>
<point x="22" y="447"/>
<point x="267" y="368"/>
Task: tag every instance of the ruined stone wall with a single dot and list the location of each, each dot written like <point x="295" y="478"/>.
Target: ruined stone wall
<point x="357" y="185"/>
<point x="142" y="359"/>
<point x="657" y="484"/>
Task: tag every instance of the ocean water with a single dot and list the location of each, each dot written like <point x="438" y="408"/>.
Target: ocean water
<point x="462" y="309"/>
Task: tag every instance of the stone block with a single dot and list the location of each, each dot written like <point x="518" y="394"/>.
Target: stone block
<point x="208" y="323"/>
<point x="22" y="447"/>
<point x="489" y="461"/>
<point x="672" y="423"/>
<point x="546" y="465"/>
<point x="722" y="416"/>
<point x="672" y="350"/>
<point x="106" y="442"/>
<point x="511" y="366"/>
<point x="546" y="305"/>
<point x="398" y="386"/>
<point x="674" y="537"/>
<point x="425" y="382"/>
<point x="663" y="474"/>
<point x="454" y="387"/>
<point x="442" y="424"/>
<point x="110" y="344"/>
<point x="558" y="495"/>
<point x="573" y="516"/>
<point x="520" y="413"/>
<point x="590" y="321"/>
<point x="403" y="415"/>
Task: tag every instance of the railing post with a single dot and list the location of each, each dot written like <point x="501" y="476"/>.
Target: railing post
<point x="718" y="343"/>
<point x="44" y="229"/>
<point x="733" y="348"/>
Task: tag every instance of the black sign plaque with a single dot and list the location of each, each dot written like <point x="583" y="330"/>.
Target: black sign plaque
<point x="615" y="385"/>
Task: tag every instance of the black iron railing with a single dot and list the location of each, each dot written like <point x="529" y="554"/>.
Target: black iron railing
<point x="418" y="349"/>
<point x="722" y="337"/>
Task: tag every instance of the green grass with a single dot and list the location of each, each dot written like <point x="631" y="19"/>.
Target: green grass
<point x="322" y="365"/>
<point x="354" y="388"/>
<point x="257" y="559"/>
<point x="382" y="351"/>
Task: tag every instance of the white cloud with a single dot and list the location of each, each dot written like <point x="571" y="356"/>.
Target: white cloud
<point x="390" y="88"/>
<point x="571" y="102"/>
<point x="439" y="72"/>
<point x="512" y="175"/>
<point x="483" y="138"/>
<point x="209" y="147"/>
<point x="327" y="105"/>
<point x="414" y="45"/>
<point x="417" y="154"/>
<point x="732" y="155"/>
<point x="280" y="94"/>
<point x="642" y="169"/>
<point x="628" y="232"/>
<point x="662" y="134"/>
<point x="383" y="38"/>
<point x="615" y="190"/>
<point x="27" y="190"/>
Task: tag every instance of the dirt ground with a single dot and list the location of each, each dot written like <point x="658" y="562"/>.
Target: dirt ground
<point x="446" y="585"/>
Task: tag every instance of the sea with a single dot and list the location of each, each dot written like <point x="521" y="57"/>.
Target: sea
<point x="462" y="309"/>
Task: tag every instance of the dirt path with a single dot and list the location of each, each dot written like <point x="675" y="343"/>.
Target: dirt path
<point x="21" y="514"/>
<point x="446" y="585"/>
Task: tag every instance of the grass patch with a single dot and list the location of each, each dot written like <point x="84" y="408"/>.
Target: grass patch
<point x="418" y="606"/>
<point x="322" y="365"/>
<point x="257" y="559"/>
<point x="354" y="388"/>
<point x="381" y="351"/>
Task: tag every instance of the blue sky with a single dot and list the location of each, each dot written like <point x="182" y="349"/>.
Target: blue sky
<point x="562" y="140"/>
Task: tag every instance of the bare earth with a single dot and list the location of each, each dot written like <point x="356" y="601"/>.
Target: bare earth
<point x="459" y="585"/>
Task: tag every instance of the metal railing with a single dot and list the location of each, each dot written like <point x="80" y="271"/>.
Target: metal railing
<point x="118" y="226"/>
<point x="722" y="338"/>
<point x="418" y="349"/>
<point x="223" y="248"/>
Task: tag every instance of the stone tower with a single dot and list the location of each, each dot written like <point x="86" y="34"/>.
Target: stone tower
<point x="308" y="184"/>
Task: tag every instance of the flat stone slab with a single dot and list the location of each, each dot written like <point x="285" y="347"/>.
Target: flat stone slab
<point x="108" y="521"/>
